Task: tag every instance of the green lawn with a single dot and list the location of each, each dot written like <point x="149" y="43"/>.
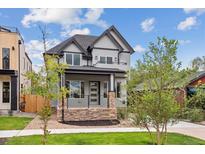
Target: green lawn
<point x="139" y="138"/>
<point x="13" y="123"/>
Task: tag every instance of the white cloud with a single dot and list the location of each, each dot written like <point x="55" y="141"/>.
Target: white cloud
<point x="93" y="17"/>
<point x="35" y="48"/>
<point x="36" y="67"/>
<point x="57" y="16"/>
<point x="198" y="11"/>
<point x="69" y="19"/>
<point x="84" y="31"/>
<point x="184" y="42"/>
<point x="139" y="48"/>
<point x="187" y="24"/>
<point x="148" y="24"/>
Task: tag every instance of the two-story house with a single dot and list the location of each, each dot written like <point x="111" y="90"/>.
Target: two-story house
<point x="98" y="67"/>
<point x="14" y="62"/>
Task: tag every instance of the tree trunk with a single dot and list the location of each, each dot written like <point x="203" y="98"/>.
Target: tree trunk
<point x="158" y="135"/>
<point x="149" y="133"/>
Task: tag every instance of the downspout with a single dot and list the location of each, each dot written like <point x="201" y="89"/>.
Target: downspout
<point x="118" y="59"/>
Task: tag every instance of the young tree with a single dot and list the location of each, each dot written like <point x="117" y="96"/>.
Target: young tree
<point x="155" y="78"/>
<point x="46" y="83"/>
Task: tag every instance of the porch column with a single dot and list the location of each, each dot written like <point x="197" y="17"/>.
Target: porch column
<point x="111" y="93"/>
<point x="62" y="104"/>
<point x="14" y="91"/>
<point x="112" y="82"/>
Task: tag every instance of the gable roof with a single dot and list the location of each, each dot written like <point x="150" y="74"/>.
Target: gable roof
<point x="107" y="32"/>
<point x="197" y="76"/>
<point x="122" y="38"/>
<point x="85" y="42"/>
<point x="81" y="41"/>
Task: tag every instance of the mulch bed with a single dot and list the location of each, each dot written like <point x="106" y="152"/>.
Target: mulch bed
<point x="93" y="123"/>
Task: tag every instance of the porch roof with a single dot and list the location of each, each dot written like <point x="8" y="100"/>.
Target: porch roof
<point x="8" y="72"/>
<point x="92" y="70"/>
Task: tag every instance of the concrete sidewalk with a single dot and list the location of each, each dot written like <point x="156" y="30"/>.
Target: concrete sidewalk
<point x="186" y="128"/>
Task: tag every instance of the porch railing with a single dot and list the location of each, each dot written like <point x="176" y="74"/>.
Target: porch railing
<point x="88" y="101"/>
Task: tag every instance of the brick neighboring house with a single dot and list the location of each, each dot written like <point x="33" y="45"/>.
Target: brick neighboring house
<point x="97" y="72"/>
<point x="196" y="79"/>
<point x="14" y="62"/>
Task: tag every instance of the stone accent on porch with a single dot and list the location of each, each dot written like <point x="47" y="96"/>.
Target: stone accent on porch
<point x="89" y="114"/>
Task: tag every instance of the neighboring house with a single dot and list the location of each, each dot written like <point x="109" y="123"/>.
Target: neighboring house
<point x="197" y="79"/>
<point x="96" y="74"/>
<point x="14" y="62"/>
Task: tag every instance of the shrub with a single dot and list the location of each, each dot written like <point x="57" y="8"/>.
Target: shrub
<point x="121" y="113"/>
<point x="195" y="115"/>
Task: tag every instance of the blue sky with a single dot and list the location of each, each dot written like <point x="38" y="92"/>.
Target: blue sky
<point x="138" y="26"/>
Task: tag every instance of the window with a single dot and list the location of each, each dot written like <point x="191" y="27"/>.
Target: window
<point x="105" y="89"/>
<point x="102" y="60"/>
<point x="76" y="89"/>
<point x="109" y="60"/>
<point x="118" y="90"/>
<point x="76" y="59"/>
<point x="106" y="60"/>
<point x="73" y="59"/>
<point x="6" y="92"/>
<point x="69" y="59"/>
<point x="6" y="58"/>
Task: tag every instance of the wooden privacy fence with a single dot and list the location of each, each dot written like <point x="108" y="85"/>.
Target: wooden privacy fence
<point x="33" y="103"/>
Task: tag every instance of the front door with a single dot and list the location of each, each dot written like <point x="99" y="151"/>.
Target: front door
<point x="94" y="92"/>
<point x="5" y="95"/>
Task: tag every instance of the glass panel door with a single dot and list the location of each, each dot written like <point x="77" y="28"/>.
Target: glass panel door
<point x="94" y="93"/>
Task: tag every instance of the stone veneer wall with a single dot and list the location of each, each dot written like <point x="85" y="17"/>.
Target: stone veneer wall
<point x="87" y="114"/>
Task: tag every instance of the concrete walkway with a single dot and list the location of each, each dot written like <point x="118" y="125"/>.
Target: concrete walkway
<point x="186" y="128"/>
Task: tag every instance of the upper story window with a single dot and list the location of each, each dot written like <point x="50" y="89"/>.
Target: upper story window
<point x="106" y="60"/>
<point x="73" y="59"/>
<point x="6" y="58"/>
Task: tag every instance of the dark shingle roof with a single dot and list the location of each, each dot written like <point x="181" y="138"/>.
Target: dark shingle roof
<point x="196" y="76"/>
<point x="83" y="40"/>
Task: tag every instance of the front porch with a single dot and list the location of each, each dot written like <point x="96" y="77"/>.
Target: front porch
<point x="92" y="96"/>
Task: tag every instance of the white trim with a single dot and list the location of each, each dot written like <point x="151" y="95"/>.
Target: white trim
<point x="111" y="82"/>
